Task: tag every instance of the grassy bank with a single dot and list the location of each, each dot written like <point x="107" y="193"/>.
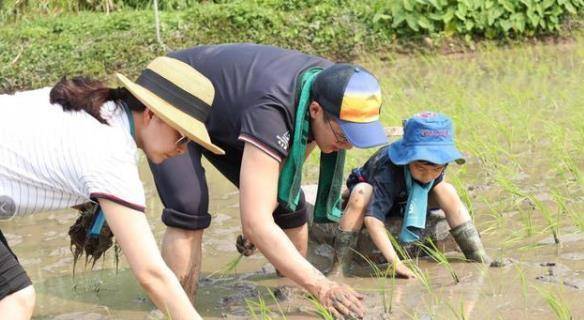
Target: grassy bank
<point x="39" y="44"/>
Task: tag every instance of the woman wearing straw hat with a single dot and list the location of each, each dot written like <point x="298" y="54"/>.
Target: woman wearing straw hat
<point x="77" y="143"/>
<point x="272" y="107"/>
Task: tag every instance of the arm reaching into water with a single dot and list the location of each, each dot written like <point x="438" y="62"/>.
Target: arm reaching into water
<point x="258" y="198"/>
<point x="379" y="236"/>
<point x="139" y="246"/>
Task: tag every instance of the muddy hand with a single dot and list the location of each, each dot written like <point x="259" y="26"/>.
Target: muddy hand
<point x="403" y="271"/>
<point x="342" y="301"/>
<point x="244" y="246"/>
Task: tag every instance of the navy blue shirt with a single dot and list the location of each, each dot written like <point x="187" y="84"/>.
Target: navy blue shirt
<point x="388" y="182"/>
<point x="255" y="94"/>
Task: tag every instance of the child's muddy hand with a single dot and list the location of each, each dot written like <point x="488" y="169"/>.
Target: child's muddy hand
<point x="342" y="301"/>
<point x="244" y="246"/>
<point x="402" y="271"/>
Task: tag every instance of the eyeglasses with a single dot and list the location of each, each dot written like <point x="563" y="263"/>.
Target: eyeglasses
<point x="183" y="140"/>
<point x="341" y="138"/>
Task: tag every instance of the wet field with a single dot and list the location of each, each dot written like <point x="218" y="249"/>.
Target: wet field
<point x="519" y="116"/>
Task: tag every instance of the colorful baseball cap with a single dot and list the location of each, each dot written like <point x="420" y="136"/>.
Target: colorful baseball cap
<point x="428" y="136"/>
<point x="353" y="95"/>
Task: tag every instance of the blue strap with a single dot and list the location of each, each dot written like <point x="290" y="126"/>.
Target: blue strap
<point x="416" y="208"/>
<point x="98" y="222"/>
<point x="130" y="119"/>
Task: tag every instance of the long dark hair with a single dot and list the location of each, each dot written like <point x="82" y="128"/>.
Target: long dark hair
<point x="83" y="93"/>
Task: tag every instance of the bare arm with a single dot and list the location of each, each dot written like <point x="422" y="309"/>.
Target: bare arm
<point x="258" y="198"/>
<point x="379" y="236"/>
<point x="139" y="246"/>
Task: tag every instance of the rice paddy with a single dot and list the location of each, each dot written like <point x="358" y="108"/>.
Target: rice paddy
<point x="519" y="118"/>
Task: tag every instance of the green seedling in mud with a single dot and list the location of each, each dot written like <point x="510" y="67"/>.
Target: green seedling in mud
<point x="421" y="275"/>
<point x="526" y="214"/>
<point x="258" y="309"/>
<point x="524" y="284"/>
<point x="228" y="268"/>
<point x="552" y="221"/>
<point x="563" y="209"/>
<point x="527" y="220"/>
<point x="440" y="258"/>
<point x="321" y="311"/>
<point x="558" y="306"/>
<point x="283" y="316"/>
<point x="459" y="313"/>
<point x="381" y="276"/>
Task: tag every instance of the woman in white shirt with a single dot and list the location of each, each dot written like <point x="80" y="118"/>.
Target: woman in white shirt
<point x="76" y="143"/>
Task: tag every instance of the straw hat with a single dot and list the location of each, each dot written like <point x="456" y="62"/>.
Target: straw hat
<point x="179" y="95"/>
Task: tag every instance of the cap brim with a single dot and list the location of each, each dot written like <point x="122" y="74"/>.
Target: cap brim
<point x="364" y="135"/>
<point x="192" y="128"/>
<point x="439" y="154"/>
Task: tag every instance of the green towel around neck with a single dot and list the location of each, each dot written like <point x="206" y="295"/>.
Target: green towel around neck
<point x="327" y="206"/>
<point x="416" y="208"/>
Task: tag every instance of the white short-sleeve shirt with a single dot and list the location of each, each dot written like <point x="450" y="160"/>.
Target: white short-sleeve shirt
<point x="52" y="159"/>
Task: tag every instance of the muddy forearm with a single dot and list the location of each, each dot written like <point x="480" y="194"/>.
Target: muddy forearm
<point x="168" y="295"/>
<point x="258" y="190"/>
<point x="281" y="252"/>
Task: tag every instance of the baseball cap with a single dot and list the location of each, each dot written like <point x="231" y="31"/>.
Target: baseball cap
<point x="428" y="136"/>
<point x="353" y="95"/>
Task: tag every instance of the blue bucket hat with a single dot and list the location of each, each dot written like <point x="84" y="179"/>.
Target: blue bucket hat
<point x="428" y="136"/>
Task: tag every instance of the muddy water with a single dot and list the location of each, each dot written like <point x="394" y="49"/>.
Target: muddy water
<point x="534" y="263"/>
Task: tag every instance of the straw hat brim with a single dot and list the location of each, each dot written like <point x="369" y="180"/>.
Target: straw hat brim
<point x="192" y="128"/>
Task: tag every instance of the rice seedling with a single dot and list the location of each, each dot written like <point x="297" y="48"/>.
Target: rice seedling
<point x="524" y="284"/>
<point x="440" y="258"/>
<point x="528" y="223"/>
<point x="459" y="313"/>
<point x="283" y="316"/>
<point x="421" y="275"/>
<point x="556" y="304"/>
<point x="553" y="223"/>
<point x="228" y="268"/>
<point x="258" y="309"/>
<point x="381" y="276"/>
<point x="321" y="311"/>
<point x="563" y="209"/>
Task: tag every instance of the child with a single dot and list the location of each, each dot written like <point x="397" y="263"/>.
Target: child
<point x="405" y="178"/>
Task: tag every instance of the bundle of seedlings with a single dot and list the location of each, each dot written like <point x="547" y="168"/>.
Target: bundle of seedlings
<point x="92" y="245"/>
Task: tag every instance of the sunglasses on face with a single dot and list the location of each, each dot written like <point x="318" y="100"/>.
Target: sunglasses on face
<point x="183" y="140"/>
<point x="340" y="137"/>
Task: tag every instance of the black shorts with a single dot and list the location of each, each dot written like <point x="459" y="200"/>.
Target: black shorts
<point x="13" y="278"/>
<point x="183" y="190"/>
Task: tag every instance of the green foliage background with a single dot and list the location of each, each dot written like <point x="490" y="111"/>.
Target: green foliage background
<point x="43" y="40"/>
